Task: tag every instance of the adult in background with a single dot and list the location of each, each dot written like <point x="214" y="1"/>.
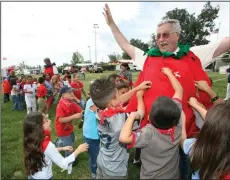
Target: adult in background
<point x="125" y="74"/>
<point x="83" y="71"/>
<point x="50" y="68"/>
<point x="186" y="66"/>
<point x="228" y="85"/>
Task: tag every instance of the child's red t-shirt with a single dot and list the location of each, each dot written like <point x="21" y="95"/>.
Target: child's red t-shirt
<point x="65" y="108"/>
<point x="42" y="91"/>
<point x="78" y="86"/>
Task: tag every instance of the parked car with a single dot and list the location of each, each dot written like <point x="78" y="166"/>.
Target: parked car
<point x="95" y="69"/>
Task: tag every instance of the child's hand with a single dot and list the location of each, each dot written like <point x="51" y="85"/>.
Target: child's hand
<point x="82" y="148"/>
<point x="202" y="85"/>
<point x="68" y="148"/>
<point x="193" y="102"/>
<point x="144" y="85"/>
<point x="78" y="115"/>
<point x="166" y="71"/>
<point x="140" y="93"/>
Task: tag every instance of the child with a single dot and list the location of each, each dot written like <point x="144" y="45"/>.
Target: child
<point x="15" y="97"/>
<point x="122" y="89"/>
<point x="30" y="92"/>
<point x="6" y="90"/>
<point x="91" y="136"/>
<point x="66" y="112"/>
<point x="215" y="99"/>
<point x="40" y="152"/>
<point x="41" y="94"/>
<point x="49" y="88"/>
<point x="159" y="140"/>
<point x="209" y="151"/>
<point x="22" y="84"/>
<point x="112" y="160"/>
<point x="35" y="80"/>
<point x="78" y="87"/>
<point x="115" y="78"/>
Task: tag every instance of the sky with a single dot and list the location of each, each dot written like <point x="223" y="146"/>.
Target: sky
<point x="31" y="31"/>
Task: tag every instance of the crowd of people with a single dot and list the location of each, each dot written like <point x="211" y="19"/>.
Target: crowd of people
<point x="171" y="115"/>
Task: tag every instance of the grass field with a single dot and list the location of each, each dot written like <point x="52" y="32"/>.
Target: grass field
<point x="12" y="166"/>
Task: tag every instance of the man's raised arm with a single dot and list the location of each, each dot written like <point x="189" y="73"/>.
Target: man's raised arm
<point x="120" y="38"/>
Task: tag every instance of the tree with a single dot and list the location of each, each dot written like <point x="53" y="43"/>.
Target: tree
<point x="114" y="57"/>
<point x="137" y="43"/>
<point x="195" y="29"/>
<point x="77" y="58"/>
<point x="152" y="42"/>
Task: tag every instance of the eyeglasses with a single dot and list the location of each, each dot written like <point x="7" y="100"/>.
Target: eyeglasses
<point x="164" y="35"/>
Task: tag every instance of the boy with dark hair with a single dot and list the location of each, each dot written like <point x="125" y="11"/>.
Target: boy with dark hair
<point x="112" y="160"/>
<point x="160" y="139"/>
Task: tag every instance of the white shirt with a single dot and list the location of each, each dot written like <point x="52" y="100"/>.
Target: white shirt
<point x="30" y="87"/>
<point x="52" y="155"/>
<point x="204" y="53"/>
<point x="16" y="88"/>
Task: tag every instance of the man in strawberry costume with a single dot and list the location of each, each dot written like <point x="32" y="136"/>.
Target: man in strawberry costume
<point x="185" y="63"/>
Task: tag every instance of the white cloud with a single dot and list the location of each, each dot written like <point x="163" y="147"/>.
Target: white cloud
<point x="34" y="30"/>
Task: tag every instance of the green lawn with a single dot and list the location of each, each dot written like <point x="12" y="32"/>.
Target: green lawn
<point x="11" y="145"/>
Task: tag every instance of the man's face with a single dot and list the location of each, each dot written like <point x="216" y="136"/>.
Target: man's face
<point x="166" y="38"/>
<point x="47" y="62"/>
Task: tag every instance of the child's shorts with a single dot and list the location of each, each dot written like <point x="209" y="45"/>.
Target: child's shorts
<point x="42" y="105"/>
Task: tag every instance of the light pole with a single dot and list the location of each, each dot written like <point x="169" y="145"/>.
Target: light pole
<point x="95" y="26"/>
<point x="89" y="54"/>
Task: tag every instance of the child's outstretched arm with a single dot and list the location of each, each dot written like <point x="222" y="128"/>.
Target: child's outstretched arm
<point x="183" y="132"/>
<point x="66" y="148"/>
<point x="59" y="160"/>
<point x="126" y="131"/>
<point x="175" y="83"/>
<point x="196" y="105"/>
<point x="203" y="86"/>
<point x="144" y="85"/>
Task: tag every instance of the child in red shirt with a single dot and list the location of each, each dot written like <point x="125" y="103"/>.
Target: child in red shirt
<point x="66" y="112"/>
<point x="6" y="90"/>
<point x="77" y="85"/>
<point x="41" y="94"/>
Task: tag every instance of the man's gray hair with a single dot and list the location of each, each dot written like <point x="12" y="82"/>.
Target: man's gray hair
<point x="174" y="22"/>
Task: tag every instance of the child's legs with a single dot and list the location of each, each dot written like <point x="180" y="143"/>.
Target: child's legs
<point x="228" y="92"/>
<point x="184" y="165"/>
<point x="33" y="104"/>
<point x="42" y="105"/>
<point x="66" y="141"/>
<point x="138" y="154"/>
<point x="5" y="97"/>
<point x="18" y="102"/>
<point x="14" y="97"/>
<point x="93" y="152"/>
<point x="28" y="104"/>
